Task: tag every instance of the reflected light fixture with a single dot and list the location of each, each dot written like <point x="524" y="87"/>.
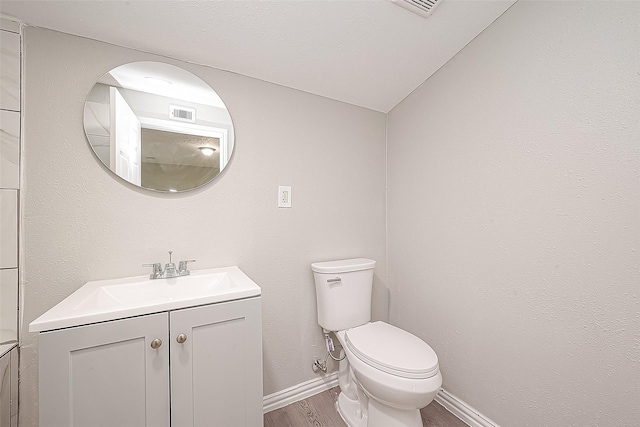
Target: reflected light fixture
<point x="207" y="151"/>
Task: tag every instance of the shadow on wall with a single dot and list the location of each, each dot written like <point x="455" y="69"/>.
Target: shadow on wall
<point x="379" y="300"/>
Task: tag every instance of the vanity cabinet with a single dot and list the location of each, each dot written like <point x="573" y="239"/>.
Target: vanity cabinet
<point x="197" y="366"/>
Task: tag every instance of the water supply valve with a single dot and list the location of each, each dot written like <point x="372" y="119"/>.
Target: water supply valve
<point x="319" y="365"/>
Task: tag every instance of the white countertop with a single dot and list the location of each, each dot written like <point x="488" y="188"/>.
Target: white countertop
<point x="104" y="300"/>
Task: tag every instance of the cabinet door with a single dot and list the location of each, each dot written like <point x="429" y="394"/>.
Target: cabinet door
<point x="106" y="374"/>
<point x="216" y="374"/>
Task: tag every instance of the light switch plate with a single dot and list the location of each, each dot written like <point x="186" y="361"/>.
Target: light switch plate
<point x="284" y="197"/>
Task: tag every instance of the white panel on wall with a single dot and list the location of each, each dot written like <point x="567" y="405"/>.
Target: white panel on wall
<point x="8" y="305"/>
<point x="9" y="183"/>
<point x="9" y="149"/>
<point x="10" y="71"/>
<point x="9" y="25"/>
<point x="8" y="228"/>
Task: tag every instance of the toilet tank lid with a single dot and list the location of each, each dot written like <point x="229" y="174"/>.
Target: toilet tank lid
<point x="343" y="265"/>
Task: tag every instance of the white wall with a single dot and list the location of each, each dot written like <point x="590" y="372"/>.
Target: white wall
<point x="81" y="224"/>
<point x="514" y="216"/>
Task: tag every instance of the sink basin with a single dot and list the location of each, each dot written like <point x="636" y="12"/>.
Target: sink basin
<point x="145" y="291"/>
<point x="104" y="300"/>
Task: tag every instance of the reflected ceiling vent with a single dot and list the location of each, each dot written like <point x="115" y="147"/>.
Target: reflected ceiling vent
<point x="184" y="114"/>
<point x="423" y="8"/>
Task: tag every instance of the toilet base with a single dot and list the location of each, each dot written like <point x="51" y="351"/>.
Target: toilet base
<point x="381" y="415"/>
<point x="378" y="414"/>
<point x="350" y="411"/>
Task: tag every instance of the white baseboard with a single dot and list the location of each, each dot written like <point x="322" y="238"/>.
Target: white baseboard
<point x="298" y="392"/>
<point x="312" y="387"/>
<point x="462" y="410"/>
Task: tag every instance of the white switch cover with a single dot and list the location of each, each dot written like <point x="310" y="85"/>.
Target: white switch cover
<point x="284" y="197"/>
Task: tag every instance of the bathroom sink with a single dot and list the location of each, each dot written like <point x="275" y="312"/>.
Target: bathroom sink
<point x="146" y="291"/>
<point x="104" y="300"/>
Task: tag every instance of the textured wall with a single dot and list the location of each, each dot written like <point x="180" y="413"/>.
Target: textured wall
<point x="81" y="224"/>
<point x="514" y="216"/>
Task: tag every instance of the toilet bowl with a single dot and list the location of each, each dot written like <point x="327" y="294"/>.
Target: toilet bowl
<point x="392" y="366"/>
<point x="397" y="372"/>
<point x="387" y="374"/>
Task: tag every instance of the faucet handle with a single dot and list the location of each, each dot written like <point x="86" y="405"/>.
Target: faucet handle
<point x="157" y="270"/>
<point x="182" y="267"/>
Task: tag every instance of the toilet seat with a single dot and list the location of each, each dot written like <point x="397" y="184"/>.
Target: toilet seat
<point x="392" y="350"/>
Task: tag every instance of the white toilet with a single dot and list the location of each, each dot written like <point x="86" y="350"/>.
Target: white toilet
<point x="388" y="374"/>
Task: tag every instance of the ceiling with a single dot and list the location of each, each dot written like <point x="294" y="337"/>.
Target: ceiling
<point x="162" y="79"/>
<point x="369" y="53"/>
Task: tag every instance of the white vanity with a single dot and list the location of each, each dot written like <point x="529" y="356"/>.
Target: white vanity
<point x="183" y="351"/>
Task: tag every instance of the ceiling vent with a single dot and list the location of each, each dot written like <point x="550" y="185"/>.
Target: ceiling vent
<point x="423" y="8"/>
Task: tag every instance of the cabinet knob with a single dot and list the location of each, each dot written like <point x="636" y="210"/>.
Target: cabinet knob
<point x="181" y="338"/>
<point x="155" y="344"/>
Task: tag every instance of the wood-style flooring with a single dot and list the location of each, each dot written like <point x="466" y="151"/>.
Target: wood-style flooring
<point x="319" y="411"/>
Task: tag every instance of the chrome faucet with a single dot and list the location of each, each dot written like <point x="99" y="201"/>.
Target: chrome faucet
<point x="170" y="269"/>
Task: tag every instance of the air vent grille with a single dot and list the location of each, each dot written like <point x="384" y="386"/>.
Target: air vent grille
<point x="423" y="8"/>
<point x="184" y="114"/>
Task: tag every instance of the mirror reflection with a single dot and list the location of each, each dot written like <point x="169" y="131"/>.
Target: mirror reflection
<point x="158" y="126"/>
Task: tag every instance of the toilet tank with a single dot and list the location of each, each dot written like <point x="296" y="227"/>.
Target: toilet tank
<point x="343" y="292"/>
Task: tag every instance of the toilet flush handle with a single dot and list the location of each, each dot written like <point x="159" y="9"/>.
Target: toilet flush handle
<point x="337" y="279"/>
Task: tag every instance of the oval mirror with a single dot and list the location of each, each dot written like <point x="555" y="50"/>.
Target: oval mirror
<point x="158" y="126"/>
